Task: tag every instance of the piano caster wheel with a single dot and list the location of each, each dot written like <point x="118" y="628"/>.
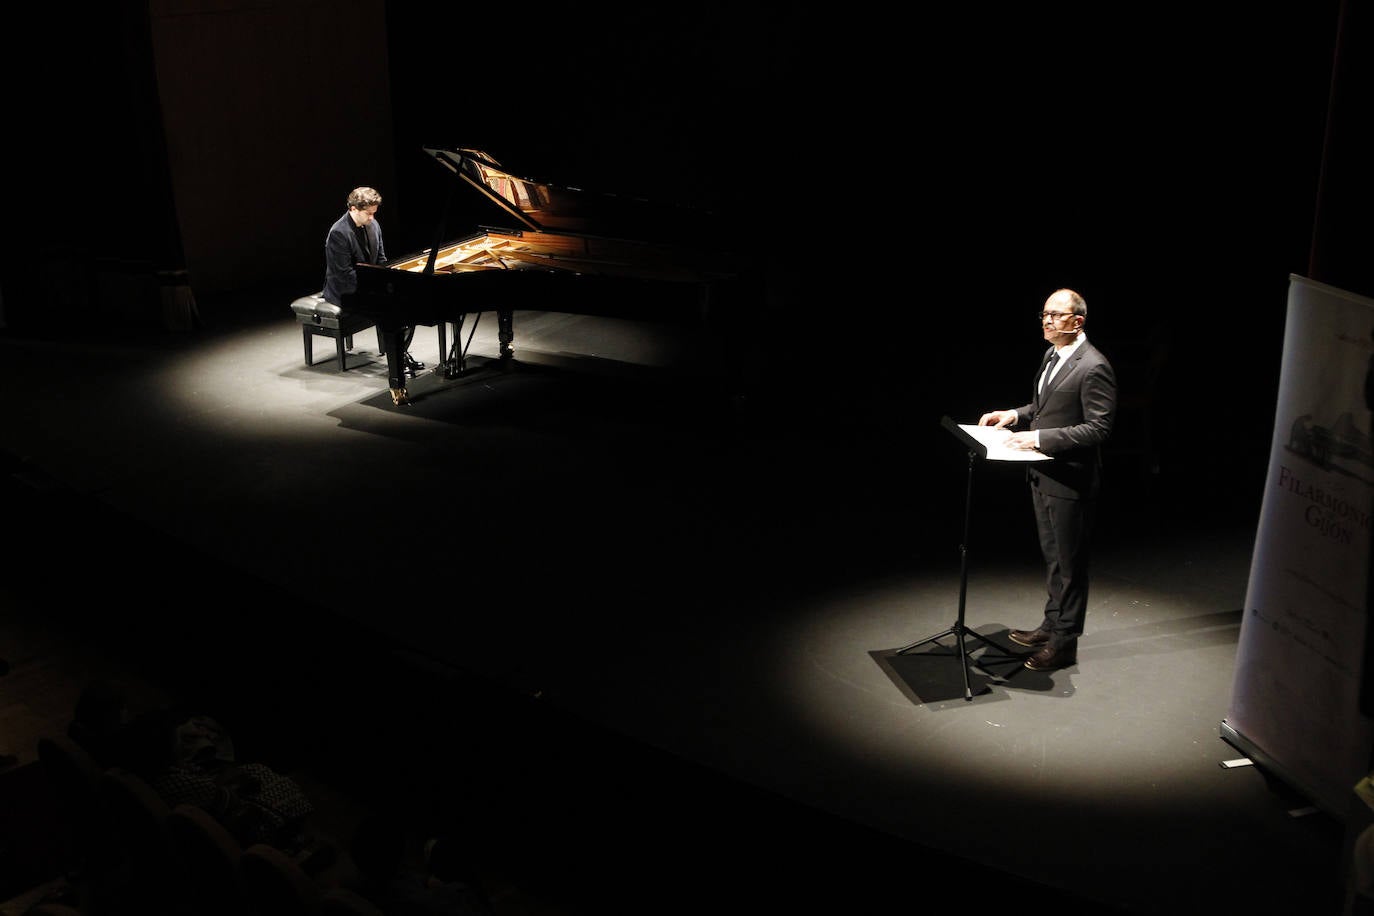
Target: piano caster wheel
<point x="399" y="397"/>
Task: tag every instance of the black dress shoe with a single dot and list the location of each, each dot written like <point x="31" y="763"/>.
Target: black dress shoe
<point x="413" y="365"/>
<point x="1030" y="638"/>
<point x="1050" y="658"/>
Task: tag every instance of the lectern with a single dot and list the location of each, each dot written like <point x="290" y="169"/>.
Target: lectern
<point x="978" y="441"/>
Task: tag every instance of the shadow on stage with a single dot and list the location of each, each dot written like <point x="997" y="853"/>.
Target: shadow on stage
<point x="930" y="673"/>
<point x="561" y="393"/>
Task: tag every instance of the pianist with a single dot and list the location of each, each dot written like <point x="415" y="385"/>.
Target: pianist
<point x="356" y="238"/>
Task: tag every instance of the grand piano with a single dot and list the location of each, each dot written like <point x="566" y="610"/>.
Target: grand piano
<point x="564" y="250"/>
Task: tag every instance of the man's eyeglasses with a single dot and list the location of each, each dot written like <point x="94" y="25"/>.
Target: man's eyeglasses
<point x="1055" y="316"/>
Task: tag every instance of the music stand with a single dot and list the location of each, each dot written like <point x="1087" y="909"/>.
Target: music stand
<point x="976" y="450"/>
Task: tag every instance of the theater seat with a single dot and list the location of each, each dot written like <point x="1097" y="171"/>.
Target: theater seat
<point x="340" y="901"/>
<point x="207" y="857"/>
<point x="274" y="885"/>
<point x="319" y="317"/>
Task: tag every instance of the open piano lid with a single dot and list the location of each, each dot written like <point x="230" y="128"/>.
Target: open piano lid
<point x="543" y="206"/>
<point x="559" y="228"/>
<point x="568" y="251"/>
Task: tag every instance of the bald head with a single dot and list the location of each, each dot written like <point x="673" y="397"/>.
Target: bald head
<point x="1063" y="316"/>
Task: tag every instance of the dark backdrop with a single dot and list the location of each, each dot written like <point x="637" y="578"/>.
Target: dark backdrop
<point x="912" y="193"/>
<point x="905" y="193"/>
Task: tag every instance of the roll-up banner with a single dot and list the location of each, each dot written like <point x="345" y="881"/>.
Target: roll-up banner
<point x="1295" y="704"/>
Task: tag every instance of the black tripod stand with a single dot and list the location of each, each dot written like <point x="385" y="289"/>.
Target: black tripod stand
<point x="976" y="450"/>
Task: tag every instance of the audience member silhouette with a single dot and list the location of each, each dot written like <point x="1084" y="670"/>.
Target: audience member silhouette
<point x="253" y="801"/>
<point x="107" y="725"/>
<point x="102" y="722"/>
<point x="190" y="758"/>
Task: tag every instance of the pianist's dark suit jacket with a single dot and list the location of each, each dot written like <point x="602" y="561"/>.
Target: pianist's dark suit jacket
<point x="1074" y="415"/>
<point x="342" y="250"/>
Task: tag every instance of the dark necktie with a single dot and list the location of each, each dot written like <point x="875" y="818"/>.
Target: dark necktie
<point x="1049" y="368"/>
<point x="366" y="243"/>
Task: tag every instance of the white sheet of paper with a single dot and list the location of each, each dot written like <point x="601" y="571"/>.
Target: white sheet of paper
<point x="995" y="441"/>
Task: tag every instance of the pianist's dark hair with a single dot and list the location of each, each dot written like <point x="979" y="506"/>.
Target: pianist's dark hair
<point x="362" y="198"/>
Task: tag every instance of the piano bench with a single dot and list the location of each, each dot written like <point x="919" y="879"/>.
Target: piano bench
<point x="318" y="317"/>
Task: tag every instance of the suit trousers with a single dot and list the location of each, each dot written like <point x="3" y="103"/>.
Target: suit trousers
<point x="1065" y="529"/>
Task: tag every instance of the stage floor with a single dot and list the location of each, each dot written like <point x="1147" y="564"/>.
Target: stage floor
<point x="685" y="605"/>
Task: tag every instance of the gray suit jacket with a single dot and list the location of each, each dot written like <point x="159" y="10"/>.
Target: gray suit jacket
<point x="1074" y="415"/>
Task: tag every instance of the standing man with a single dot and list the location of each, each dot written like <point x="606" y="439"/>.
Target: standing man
<point x="1068" y="419"/>
<point x="356" y="238"/>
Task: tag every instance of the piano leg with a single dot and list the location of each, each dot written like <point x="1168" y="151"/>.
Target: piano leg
<point x="455" y="364"/>
<point x="444" y="356"/>
<point x="505" y="333"/>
